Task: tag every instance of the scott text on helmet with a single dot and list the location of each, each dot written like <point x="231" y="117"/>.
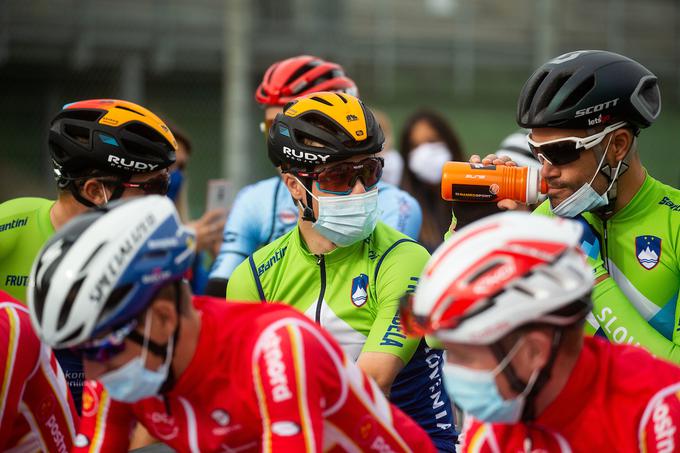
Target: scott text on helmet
<point x="596" y="108"/>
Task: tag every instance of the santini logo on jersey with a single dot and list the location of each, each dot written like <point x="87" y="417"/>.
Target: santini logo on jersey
<point x="16" y="223"/>
<point x="664" y="201"/>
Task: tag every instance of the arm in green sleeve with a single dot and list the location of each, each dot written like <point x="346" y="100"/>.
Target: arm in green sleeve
<point x="398" y="274"/>
<point x="622" y="323"/>
<point x="242" y="284"/>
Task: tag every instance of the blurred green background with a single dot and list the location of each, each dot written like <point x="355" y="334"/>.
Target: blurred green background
<point x="198" y="62"/>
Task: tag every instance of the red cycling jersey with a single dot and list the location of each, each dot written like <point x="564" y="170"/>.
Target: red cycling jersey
<point x="263" y="378"/>
<point x="618" y="398"/>
<point x="36" y="408"/>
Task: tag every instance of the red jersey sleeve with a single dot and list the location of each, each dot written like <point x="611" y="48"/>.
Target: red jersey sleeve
<point x="660" y="423"/>
<point x="35" y="404"/>
<point x="288" y="395"/>
<point x="106" y="425"/>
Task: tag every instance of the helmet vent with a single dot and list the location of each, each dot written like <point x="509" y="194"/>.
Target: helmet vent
<point x="112" y="303"/>
<point x="579" y="93"/>
<point x="321" y="100"/>
<point x="649" y="94"/>
<point x="82" y="115"/>
<point x="297" y="74"/>
<point x="129" y="110"/>
<point x="145" y="131"/>
<point x="551" y="90"/>
<point x="68" y="302"/>
<point x="73" y="335"/>
<point x="341" y="97"/>
<point x="532" y="92"/>
<point x="78" y="134"/>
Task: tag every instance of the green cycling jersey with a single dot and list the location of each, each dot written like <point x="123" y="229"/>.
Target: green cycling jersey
<point x="639" y="247"/>
<point x="352" y="291"/>
<point x="25" y="226"/>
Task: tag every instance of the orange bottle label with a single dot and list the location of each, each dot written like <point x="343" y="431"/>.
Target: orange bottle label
<point x="463" y="181"/>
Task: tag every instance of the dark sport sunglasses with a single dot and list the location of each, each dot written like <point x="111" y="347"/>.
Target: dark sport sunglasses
<point x="155" y="186"/>
<point x="562" y="151"/>
<point x="102" y="349"/>
<point x="340" y="179"/>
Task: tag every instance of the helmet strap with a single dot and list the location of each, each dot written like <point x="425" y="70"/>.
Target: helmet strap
<point x="519" y="386"/>
<point x="307" y="210"/>
<point x="612" y="178"/>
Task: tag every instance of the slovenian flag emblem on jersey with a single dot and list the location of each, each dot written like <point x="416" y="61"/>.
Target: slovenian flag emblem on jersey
<point x="648" y="250"/>
<point x="360" y="290"/>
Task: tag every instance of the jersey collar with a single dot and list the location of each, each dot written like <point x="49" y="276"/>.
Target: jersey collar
<point x="639" y="203"/>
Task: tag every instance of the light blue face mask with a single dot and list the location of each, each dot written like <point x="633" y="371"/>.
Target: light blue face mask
<point x="586" y="198"/>
<point x="133" y="381"/>
<point x="476" y="392"/>
<point x="346" y="219"/>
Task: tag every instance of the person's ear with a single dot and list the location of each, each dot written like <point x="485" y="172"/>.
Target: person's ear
<point x="621" y="141"/>
<point x="164" y="319"/>
<point x="297" y="191"/>
<point x="95" y="191"/>
<point x="536" y="349"/>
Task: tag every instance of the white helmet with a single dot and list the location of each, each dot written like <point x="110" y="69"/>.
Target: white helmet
<point x="500" y="273"/>
<point x="516" y="147"/>
<point x="104" y="267"/>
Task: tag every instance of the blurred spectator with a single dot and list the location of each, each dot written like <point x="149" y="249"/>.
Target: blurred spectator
<point x="394" y="163"/>
<point x="427" y="142"/>
<point x="209" y="227"/>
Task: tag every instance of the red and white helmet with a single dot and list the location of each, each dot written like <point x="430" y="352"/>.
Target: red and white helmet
<point x="500" y="273"/>
<point x="294" y="77"/>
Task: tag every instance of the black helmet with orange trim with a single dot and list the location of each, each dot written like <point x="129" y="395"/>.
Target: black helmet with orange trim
<point x="110" y="137"/>
<point x="323" y="128"/>
<point x="298" y="76"/>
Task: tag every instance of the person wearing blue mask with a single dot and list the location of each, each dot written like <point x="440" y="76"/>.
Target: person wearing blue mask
<point x="208" y="227"/>
<point x="507" y="297"/>
<point x="341" y="265"/>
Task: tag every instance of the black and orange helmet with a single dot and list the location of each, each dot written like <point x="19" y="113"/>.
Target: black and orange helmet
<point x="108" y="136"/>
<point x="323" y="128"/>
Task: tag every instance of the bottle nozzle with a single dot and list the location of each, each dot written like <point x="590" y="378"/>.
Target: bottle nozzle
<point x="544" y="186"/>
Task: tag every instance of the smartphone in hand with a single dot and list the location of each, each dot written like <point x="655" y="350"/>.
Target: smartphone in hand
<point x="220" y="195"/>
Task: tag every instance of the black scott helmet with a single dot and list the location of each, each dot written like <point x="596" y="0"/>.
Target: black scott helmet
<point x="586" y="88"/>
<point x="321" y="128"/>
<point x="108" y="136"/>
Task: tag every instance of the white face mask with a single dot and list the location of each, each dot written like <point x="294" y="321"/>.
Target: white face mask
<point x="346" y="219"/>
<point x="586" y="198"/>
<point x="133" y="381"/>
<point x="427" y="161"/>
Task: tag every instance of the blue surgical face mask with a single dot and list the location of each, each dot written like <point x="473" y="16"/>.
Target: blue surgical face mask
<point x="347" y="219"/>
<point x="586" y="198"/>
<point x="476" y="392"/>
<point x="176" y="180"/>
<point x="133" y="381"/>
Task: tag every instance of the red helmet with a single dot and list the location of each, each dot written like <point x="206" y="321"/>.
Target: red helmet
<point x="288" y="79"/>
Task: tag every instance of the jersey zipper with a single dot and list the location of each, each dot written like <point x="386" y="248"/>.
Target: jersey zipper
<point x="322" y="269"/>
<point x="605" y="246"/>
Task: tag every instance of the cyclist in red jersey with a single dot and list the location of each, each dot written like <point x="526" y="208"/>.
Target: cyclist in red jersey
<point x="507" y="296"/>
<point x="36" y="408"/>
<point x="199" y="374"/>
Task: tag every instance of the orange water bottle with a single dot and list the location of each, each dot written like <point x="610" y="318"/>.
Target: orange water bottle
<point x="463" y="181"/>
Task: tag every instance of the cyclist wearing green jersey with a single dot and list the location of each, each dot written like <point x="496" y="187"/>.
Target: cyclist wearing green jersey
<point x="585" y="110"/>
<point x="340" y="265"/>
<point x="101" y="149"/>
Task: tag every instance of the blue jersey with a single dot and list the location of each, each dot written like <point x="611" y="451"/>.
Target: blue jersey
<point x="265" y="211"/>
